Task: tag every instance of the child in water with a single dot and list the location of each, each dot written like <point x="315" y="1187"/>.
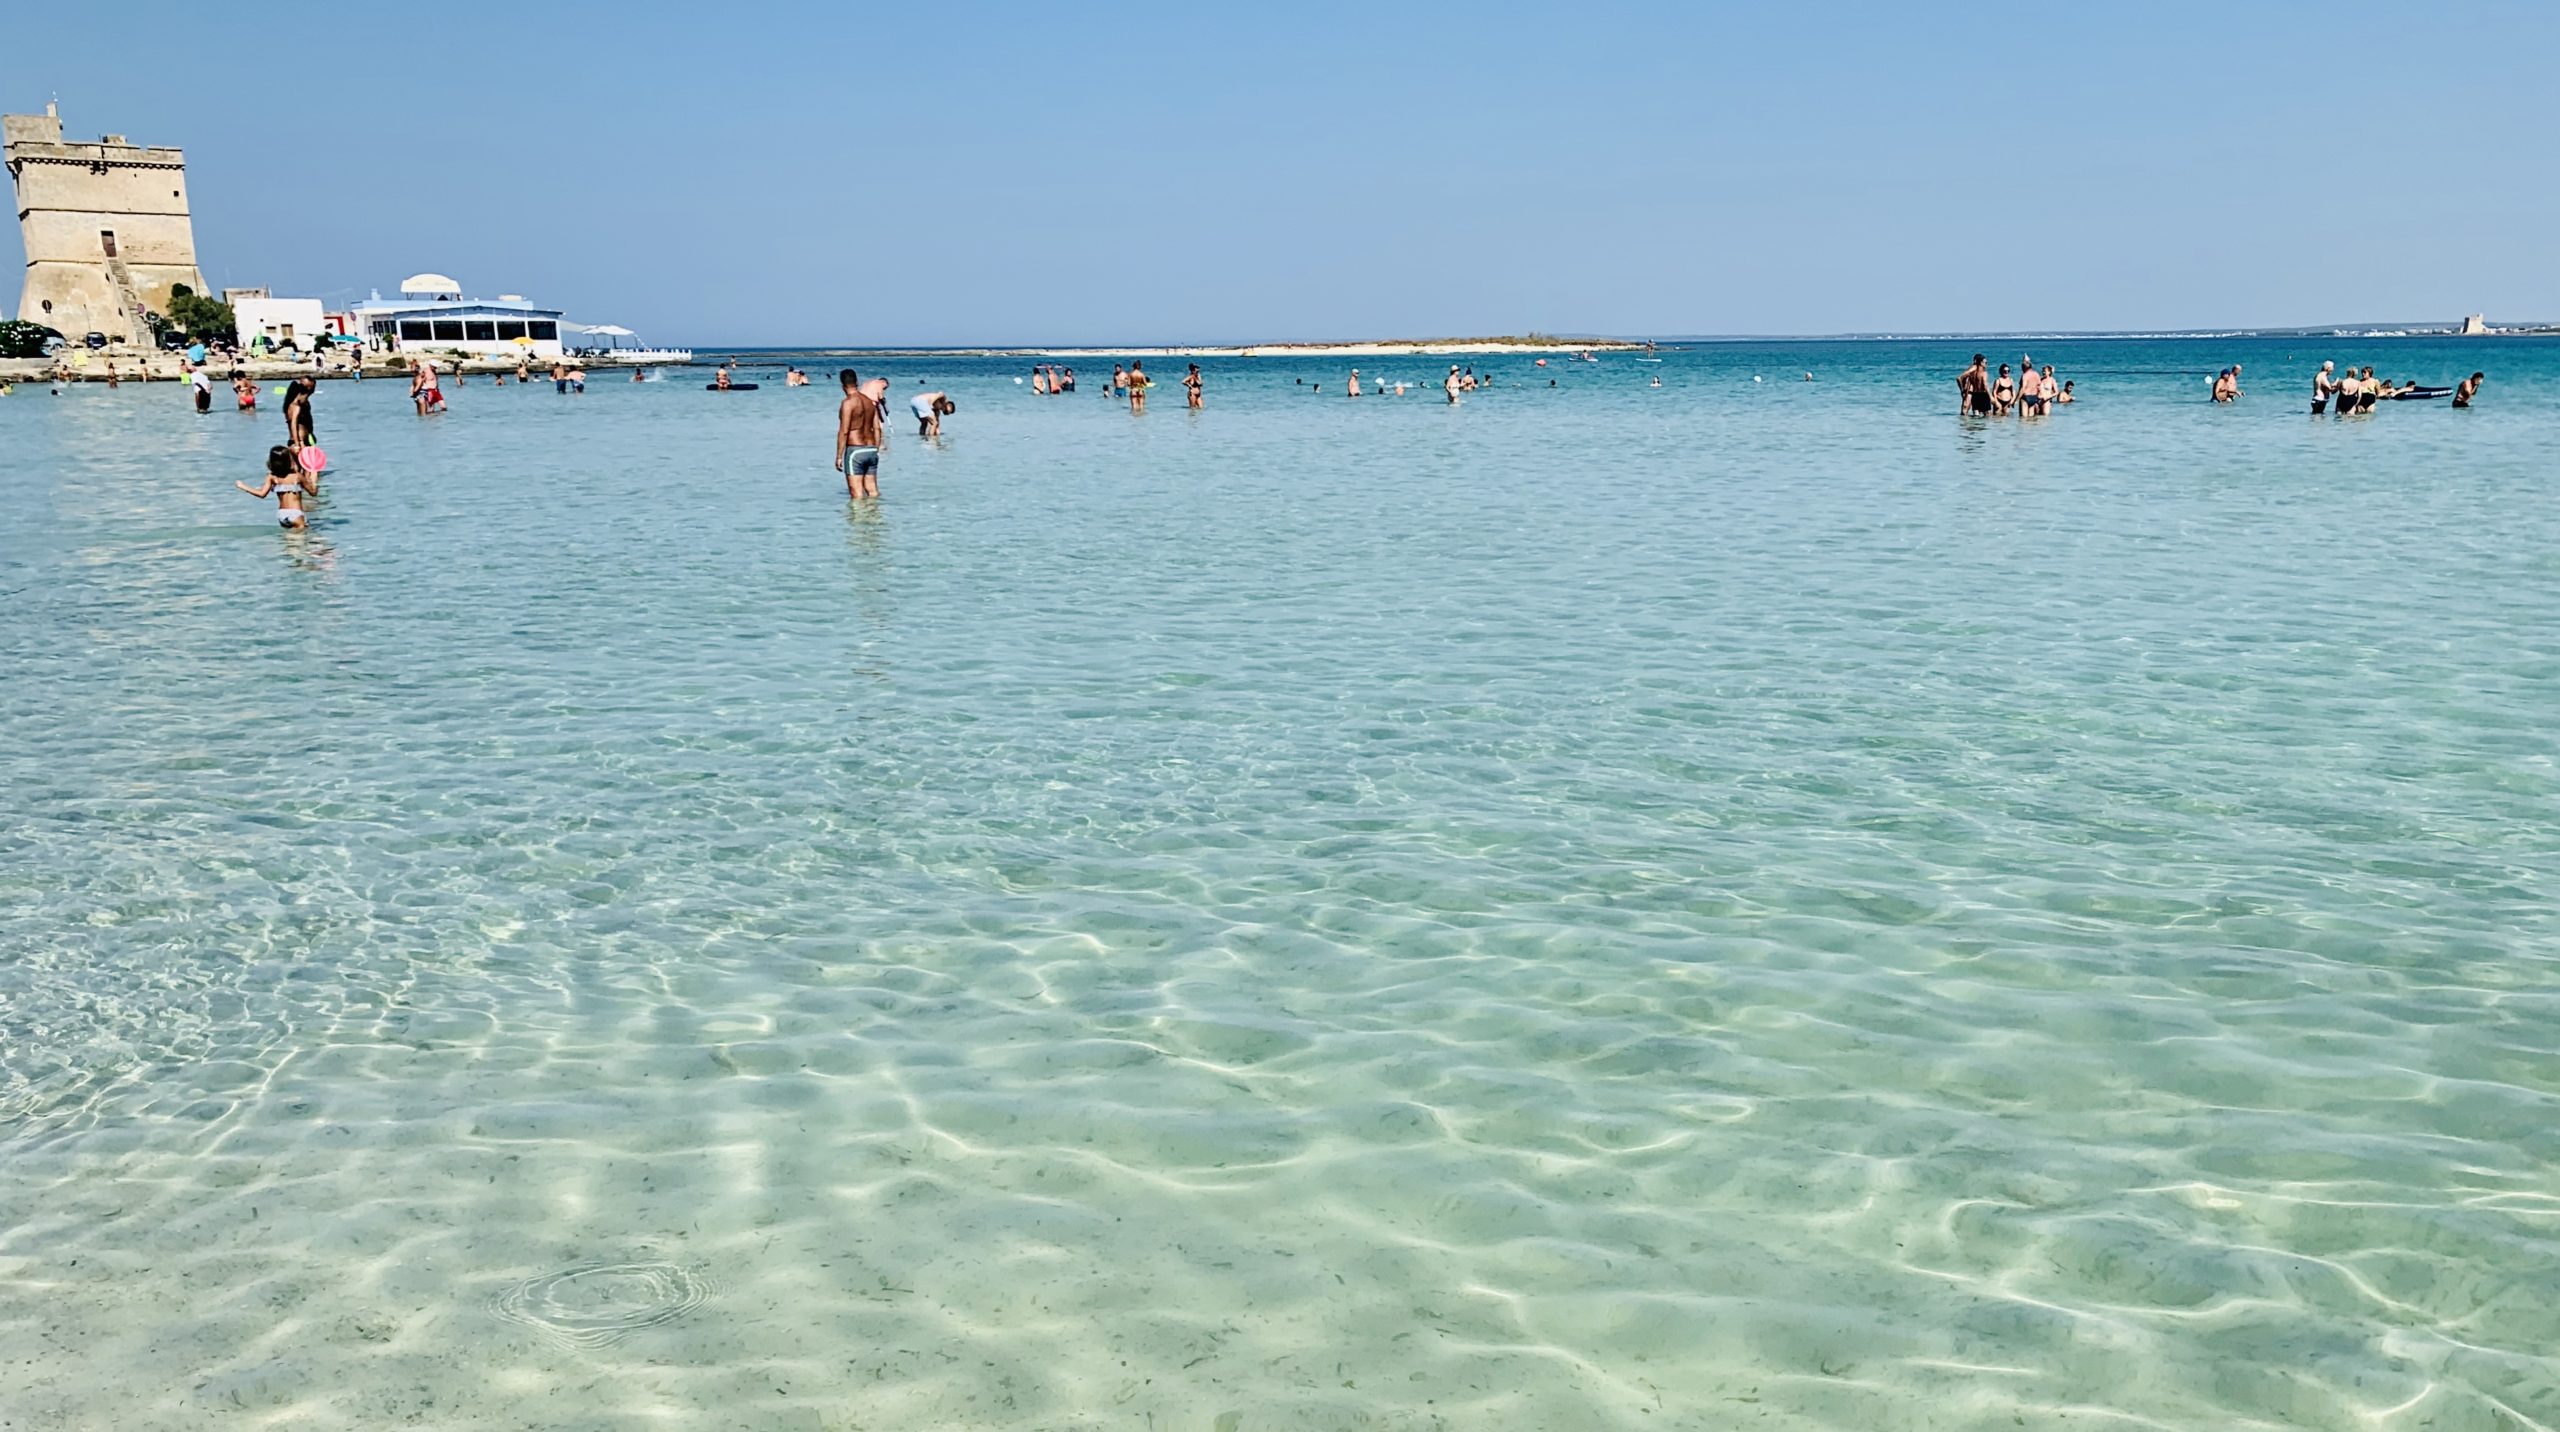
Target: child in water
<point x="243" y="391"/>
<point x="287" y="483"/>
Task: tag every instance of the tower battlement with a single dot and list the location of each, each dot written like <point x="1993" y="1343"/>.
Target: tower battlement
<point x="106" y="225"/>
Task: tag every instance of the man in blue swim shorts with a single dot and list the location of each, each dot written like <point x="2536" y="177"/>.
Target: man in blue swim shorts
<point x="858" y="423"/>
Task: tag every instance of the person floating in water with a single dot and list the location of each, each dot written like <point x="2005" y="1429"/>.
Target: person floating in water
<point x="287" y="483"/>
<point x="858" y="439"/>
<point x="1191" y="386"/>
<point x="930" y="409"/>
<point x="1139" y="383"/>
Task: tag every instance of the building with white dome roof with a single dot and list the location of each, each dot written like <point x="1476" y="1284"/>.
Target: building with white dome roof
<point x="431" y="315"/>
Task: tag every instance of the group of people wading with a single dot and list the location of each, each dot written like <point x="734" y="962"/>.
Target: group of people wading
<point x="2030" y="394"/>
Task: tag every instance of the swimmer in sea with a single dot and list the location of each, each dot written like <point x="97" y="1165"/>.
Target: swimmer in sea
<point x="2469" y="389"/>
<point x="2065" y="395"/>
<point x="286" y="483"/>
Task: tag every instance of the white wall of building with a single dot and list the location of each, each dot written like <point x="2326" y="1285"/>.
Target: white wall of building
<point x="301" y="319"/>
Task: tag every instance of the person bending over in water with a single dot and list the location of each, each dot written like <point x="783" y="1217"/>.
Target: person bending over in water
<point x="2468" y="390"/>
<point x="286" y="482"/>
<point x="930" y="409"/>
<point x="858" y="439"/>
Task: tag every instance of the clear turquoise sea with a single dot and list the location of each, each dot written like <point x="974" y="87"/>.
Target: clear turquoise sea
<point x="1740" y="904"/>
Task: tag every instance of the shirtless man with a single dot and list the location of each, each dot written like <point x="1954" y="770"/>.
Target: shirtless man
<point x="2225" y="387"/>
<point x="858" y="438"/>
<point x="1353" y="390"/>
<point x="1139" y="382"/>
<point x="1191" y="386"/>
<point x="1449" y="385"/>
<point x="1973" y="388"/>
<point x="423" y="389"/>
<point x="2469" y="389"/>
<point x="1119" y="380"/>
<point x="2323" y="383"/>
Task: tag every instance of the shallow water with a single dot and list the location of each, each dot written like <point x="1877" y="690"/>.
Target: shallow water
<point x="1734" y="904"/>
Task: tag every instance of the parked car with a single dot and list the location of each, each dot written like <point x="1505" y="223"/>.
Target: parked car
<point x="96" y="340"/>
<point x="174" y="341"/>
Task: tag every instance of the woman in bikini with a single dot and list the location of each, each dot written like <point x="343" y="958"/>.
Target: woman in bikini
<point x="288" y="484"/>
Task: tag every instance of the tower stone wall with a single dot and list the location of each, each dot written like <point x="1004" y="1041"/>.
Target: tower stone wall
<point x="106" y="226"/>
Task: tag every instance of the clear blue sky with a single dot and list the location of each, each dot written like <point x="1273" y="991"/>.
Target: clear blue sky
<point x="963" y="173"/>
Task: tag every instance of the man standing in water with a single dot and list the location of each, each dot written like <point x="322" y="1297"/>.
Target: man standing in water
<point x="1449" y="385"/>
<point x="1353" y="390"/>
<point x="2469" y="390"/>
<point x="1973" y="388"/>
<point x="858" y="439"/>
<point x="422" y="386"/>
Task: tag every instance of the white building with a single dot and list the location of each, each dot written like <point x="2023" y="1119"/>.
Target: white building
<point x="299" y="321"/>
<point x="431" y="315"/>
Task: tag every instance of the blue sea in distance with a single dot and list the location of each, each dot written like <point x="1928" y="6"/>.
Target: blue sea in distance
<point x="1747" y="903"/>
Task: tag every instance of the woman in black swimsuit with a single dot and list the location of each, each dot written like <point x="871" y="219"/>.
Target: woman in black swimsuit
<point x="298" y="432"/>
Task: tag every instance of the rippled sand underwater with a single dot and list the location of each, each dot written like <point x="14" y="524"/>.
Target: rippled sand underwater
<point x="1729" y="905"/>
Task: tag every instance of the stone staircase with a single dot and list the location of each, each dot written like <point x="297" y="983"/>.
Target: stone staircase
<point x="129" y="302"/>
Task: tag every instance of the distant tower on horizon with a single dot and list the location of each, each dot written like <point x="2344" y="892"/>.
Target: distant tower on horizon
<point x="106" y="228"/>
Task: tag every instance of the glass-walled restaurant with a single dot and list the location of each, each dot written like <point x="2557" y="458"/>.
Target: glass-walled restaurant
<point x="478" y="329"/>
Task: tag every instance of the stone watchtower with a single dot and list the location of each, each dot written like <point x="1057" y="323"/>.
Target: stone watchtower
<point x="106" y="228"/>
